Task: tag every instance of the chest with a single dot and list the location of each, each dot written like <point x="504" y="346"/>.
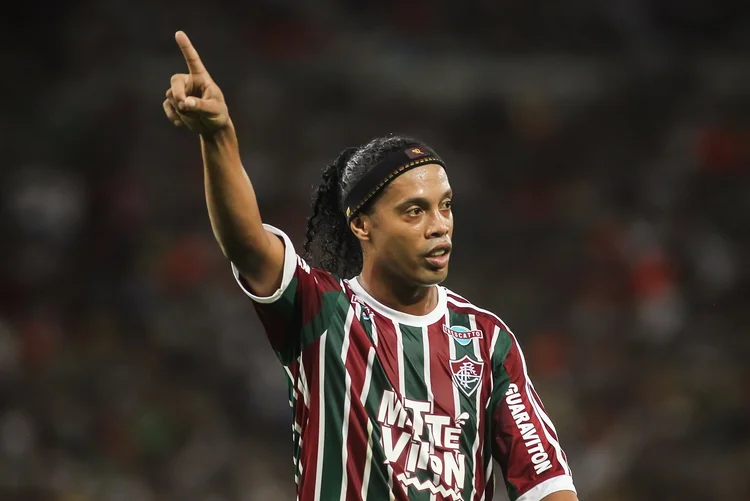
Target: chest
<point x="443" y="365"/>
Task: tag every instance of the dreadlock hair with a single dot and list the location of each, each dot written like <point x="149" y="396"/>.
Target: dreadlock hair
<point x="329" y="242"/>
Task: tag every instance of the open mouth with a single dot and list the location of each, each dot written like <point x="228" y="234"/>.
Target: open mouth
<point x="438" y="258"/>
<point x="439" y="252"/>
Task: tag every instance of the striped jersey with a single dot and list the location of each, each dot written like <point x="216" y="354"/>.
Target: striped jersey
<point x="392" y="406"/>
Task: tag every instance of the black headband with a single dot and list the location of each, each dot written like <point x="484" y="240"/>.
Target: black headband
<point x="392" y="166"/>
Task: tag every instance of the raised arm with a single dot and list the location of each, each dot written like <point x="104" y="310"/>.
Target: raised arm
<point x="195" y="101"/>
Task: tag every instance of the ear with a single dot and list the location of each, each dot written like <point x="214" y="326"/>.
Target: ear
<point x="360" y="226"/>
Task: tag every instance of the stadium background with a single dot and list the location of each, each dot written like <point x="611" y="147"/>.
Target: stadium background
<point x="600" y="153"/>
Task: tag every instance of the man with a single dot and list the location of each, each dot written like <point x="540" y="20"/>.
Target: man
<point x="400" y="388"/>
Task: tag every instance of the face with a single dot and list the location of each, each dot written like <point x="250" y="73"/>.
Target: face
<point x="409" y="229"/>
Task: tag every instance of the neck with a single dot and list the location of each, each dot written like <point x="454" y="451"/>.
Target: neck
<point x="393" y="292"/>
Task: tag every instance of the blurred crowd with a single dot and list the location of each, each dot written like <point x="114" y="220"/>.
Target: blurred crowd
<point x="601" y="161"/>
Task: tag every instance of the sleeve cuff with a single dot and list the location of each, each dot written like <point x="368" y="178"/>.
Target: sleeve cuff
<point x="554" y="484"/>
<point x="290" y="265"/>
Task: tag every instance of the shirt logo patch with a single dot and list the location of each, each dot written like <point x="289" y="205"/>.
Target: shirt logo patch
<point x="461" y="334"/>
<point x="467" y="374"/>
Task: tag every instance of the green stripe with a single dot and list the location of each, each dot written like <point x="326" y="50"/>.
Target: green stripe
<point x="308" y="333"/>
<point x="488" y="445"/>
<point x="318" y="325"/>
<point x="512" y="490"/>
<point x="500" y="384"/>
<point x="468" y="404"/>
<point x="378" y="488"/>
<point x="415" y="385"/>
<point x="334" y="387"/>
<point x="500" y="377"/>
<point x="286" y="309"/>
<point x="416" y="389"/>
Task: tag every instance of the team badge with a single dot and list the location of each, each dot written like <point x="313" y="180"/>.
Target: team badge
<point x="466" y="374"/>
<point x="461" y="334"/>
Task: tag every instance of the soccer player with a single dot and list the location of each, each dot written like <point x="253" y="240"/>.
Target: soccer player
<point x="400" y="388"/>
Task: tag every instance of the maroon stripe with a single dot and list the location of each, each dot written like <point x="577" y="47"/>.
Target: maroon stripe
<point x="511" y="444"/>
<point x="356" y="366"/>
<point x="483" y="323"/>
<point x="311" y="287"/>
<point x="440" y="371"/>
<point x="480" y="478"/>
<point x="310" y="432"/>
<point x="387" y="349"/>
<point x="453" y="295"/>
<point x="274" y="324"/>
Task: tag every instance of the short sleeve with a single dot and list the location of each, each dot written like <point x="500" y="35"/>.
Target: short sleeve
<point x="295" y="314"/>
<point x="525" y="441"/>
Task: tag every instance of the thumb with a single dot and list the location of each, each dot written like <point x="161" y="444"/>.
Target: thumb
<point x="206" y="106"/>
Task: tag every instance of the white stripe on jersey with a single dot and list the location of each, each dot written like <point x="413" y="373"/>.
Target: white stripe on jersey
<point x="475" y="446"/>
<point x="400" y="348"/>
<point x="347" y="399"/>
<point x="374" y="330"/>
<point x="321" y="414"/>
<point x="402" y="392"/>
<point x="368" y="376"/>
<point x="493" y="343"/>
<point x="302" y="382"/>
<point x="293" y="384"/>
<point x="488" y="472"/>
<point x="452" y="353"/>
<point x="427" y="366"/>
<point x="428" y="377"/>
<point x="368" y="461"/>
<point x="363" y="400"/>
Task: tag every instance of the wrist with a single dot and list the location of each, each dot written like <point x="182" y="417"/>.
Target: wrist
<point x="222" y="135"/>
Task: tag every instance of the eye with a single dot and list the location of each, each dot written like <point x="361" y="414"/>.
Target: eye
<point x="448" y="204"/>
<point x="414" y="211"/>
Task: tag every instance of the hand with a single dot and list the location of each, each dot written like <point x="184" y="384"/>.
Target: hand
<point x="194" y="99"/>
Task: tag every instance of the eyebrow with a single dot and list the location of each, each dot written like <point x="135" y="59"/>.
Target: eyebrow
<point x="423" y="200"/>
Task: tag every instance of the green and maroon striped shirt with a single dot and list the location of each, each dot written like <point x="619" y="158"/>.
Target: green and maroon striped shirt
<point x="391" y="406"/>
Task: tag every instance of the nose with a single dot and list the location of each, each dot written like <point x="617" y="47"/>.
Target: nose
<point x="439" y="225"/>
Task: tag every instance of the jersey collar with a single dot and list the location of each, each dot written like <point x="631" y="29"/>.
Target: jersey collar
<point x="403" y="318"/>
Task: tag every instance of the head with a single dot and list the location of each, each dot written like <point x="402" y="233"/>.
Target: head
<point x="398" y="229"/>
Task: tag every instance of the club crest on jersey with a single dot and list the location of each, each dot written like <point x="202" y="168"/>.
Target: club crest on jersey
<point x="461" y="334"/>
<point x="466" y="374"/>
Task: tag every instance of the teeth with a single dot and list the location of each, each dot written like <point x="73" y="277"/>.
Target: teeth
<point x="439" y="252"/>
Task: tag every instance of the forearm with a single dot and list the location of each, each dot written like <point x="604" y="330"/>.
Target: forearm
<point x="195" y="101"/>
<point x="232" y="205"/>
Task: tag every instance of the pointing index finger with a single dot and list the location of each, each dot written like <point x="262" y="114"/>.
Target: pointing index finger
<point x="193" y="60"/>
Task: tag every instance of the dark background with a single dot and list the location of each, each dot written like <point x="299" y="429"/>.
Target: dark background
<point x="600" y="152"/>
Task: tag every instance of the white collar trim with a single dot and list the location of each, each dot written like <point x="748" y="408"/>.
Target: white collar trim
<point x="398" y="316"/>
